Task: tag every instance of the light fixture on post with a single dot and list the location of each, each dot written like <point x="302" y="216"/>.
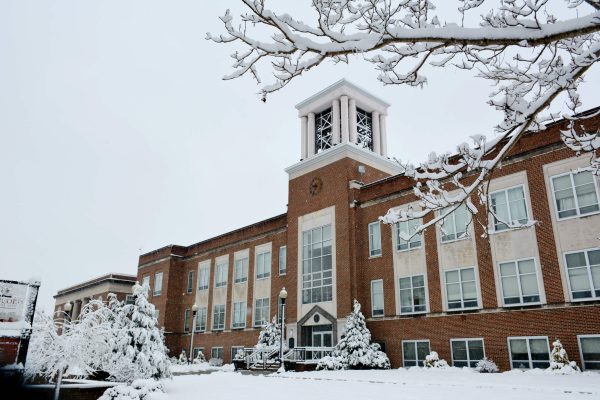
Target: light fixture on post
<point x="282" y="295"/>
<point x="68" y="308"/>
<point x="194" y="316"/>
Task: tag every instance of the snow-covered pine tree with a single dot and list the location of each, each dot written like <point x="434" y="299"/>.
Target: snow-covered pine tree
<point x="139" y="351"/>
<point x="559" y="361"/>
<point x="355" y="350"/>
<point x="270" y="335"/>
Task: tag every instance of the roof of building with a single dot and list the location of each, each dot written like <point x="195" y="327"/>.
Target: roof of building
<point x="111" y="277"/>
<point x="342" y="82"/>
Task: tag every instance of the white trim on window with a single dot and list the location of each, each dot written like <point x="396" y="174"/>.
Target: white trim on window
<point x="157" y="283"/>
<point x="190" y="282"/>
<point x="537" y="279"/>
<point x="460" y="283"/>
<point x="221" y="326"/>
<point x="510" y="219"/>
<point x="579" y="337"/>
<point x="466" y="340"/>
<point x="589" y="273"/>
<point x="262" y="264"/>
<point x="382" y="310"/>
<point x="527" y="339"/>
<point x="412" y="294"/>
<point x="452" y="218"/>
<point x="219" y="349"/>
<point x="374" y="231"/>
<point x="576" y="200"/>
<point x="204" y="276"/>
<point x="240" y="311"/>
<point x="416" y="360"/>
<point x="282" y="260"/>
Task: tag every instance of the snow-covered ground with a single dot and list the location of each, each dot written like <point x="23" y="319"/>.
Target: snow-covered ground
<point x="200" y="367"/>
<point x="390" y="384"/>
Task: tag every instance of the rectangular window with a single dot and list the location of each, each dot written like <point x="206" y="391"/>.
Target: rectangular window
<point x="282" y="260"/>
<point x="405" y="229"/>
<point x="261" y="312"/>
<point x="234" y="350"/>
<point x="201" y="319"/>
<point x="529" y="352"/>
<point x="412" y="294"/>
<point x="583" y="269"/>
<point x="198" y="350"/>
<point x="146" y="281"/>
<point x="186" y="320"/>
<point x="466" y="352"/>
<point x="240" y="270"/>
<point x="414" y="352"/>
<point x="157" y="283"/>
<point x="377" y="298"/>
<point x="374" y="239"/>
<point x="263" y="265"/>
<point x="216" y="352"/>
<point x="455" y="225"/>
<point x="508" y="208"/>
<point x="129" y="299"/>
<point x="221" y="274"/>
<point x="590" y="351"/>
<point x="218" y="317"/>
<point x="317" y="277"/>
<point x="519" y="282"/>
<point x="203" y="277"/>
<point x="190" y="282"/>
<point x="239" y="315"/>
<point x="461" y="288"/>
<point x="575" y="194"/>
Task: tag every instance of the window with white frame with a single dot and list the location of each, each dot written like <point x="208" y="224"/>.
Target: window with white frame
<point x="412" y="294"/>
<point x="466" y="352"/>
<point x="261" y="312"/>
<point x="203" y="277"/>
<point x="317" y="277"/>
<point x="583" y="269"/>
<point x="221" y="274"/>
<point x="157" y="284"/>
<point x="575" y="194"/>
<point x="407" y="229"/>
<point x="461" y="288"/>
<point x="129" y="299"/>
<point x="519" y="282"/>
<point x="186" y="320"/>
<point x="455" y="225"/>
<point x="216" y="352"/>
<point x="218" y="317"/>
<point x="263" y="265"/>
<point x="282" y="260"/>
<point x="377" y="298"/>
<point x="198" y="350"/>
<point x="201" y="319"/>
<point x="190" y="281"/>
<point x="374" y="239"/>
<point x="240" y="270"/>
<point x="589" y="347"/>
<point x="234" y="350"/>
<point x="508" y="207"/>
<point x="239" y="315"/>
<point x="414" y="352"/>
<point x="146" y="281"/>
<point x="529" y="352"/>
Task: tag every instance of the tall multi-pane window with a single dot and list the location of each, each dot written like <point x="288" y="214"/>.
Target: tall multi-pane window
<point x="461" y="288"/>
<point x="203" y="277"/>
<point x="146" y="281"/>
<point x="508" y="208"/>
<point x="575" y="194"/>
<point x="239" y="315"/>
<point x="455" y="224"/>
<point x="466" y="352"/>
<point x="583" y="269"/>
<point x="216" y="352"/>
<point x="186" y="320"/>
<point x="590" y="351"/>
<point x="190" y="281"/>
<point x="414" y="352"/>
<point x="157" y="283"/>
<point x="529" y="352"/>
<point x="201" y="319"/>
<point x="263" y="265"/>
<point x="221" y="274"/>
<point x="364" y="129"/>
<point x="316" y="265"/>
<point x="519" y="282"/>
<point x="218" y="317"/>
<point x="323" y="130"/>
<point x="406" y="229"/>
<point x="412" y="294"/>
<point x="377" y="298"/>
<point x="374" y="239"/>
<point x="282" y="260"/>
<point x="240" y="270"/>
<point x="261" y="311"/>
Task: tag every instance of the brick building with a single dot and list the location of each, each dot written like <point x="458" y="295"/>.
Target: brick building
<point x="506" y="296"/>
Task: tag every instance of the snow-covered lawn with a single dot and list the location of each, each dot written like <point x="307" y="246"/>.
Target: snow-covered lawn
<point x="200" y="367"/>
<point x="390" y="384"/>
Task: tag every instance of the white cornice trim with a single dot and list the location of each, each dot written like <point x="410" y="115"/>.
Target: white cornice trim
<point x="339" y="84"/>
<point x="345" y="150"/>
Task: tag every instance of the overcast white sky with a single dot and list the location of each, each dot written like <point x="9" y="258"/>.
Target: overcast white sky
<point x="118" y="136"/>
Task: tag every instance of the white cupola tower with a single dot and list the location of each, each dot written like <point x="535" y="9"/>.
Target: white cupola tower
<point x="342" y="113"/>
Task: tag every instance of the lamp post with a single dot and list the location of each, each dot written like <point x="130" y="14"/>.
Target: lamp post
<point x="194" y="314"/>
<point x="282" y="296"/>
<point x="68" y="308"/>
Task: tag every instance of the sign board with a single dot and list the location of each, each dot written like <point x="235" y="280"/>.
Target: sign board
<point x="12" y="301"/>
